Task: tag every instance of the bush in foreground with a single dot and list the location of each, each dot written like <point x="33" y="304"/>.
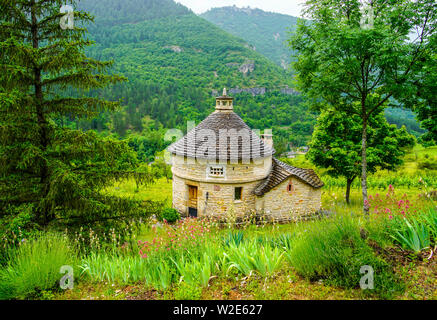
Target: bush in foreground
<point x="170" y="215"/>
<point x="332" y="249"/>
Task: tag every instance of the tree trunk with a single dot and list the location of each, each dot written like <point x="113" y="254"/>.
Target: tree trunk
<point x="364" y="167"/>
<point x="348" y="189"/>
<point x="41" y="120"/>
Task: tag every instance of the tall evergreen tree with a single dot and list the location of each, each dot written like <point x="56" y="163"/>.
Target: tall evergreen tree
<point x="51" y="174"/>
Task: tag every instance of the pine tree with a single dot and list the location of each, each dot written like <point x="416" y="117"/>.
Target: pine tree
<point x="51" y="174"/>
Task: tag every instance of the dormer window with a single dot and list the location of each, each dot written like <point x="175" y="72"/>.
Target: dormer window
<point x="216" y="171"/>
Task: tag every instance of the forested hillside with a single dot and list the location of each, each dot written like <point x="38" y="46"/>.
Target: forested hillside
<point x="174" y="61"/>
<point x="112" y="12"/>
<point x="267" y="32"/>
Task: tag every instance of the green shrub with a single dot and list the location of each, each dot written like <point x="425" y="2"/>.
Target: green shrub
<point x="35" y="266"/>
<point x="170" y="215"/>
<point x="332" y="249"/>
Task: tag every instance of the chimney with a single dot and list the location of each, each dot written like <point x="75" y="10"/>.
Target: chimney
<point x="224" y="103"/>
<point x="267" y="137"/>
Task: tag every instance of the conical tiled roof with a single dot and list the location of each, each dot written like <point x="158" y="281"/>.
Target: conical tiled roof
<point x="281" y="171"/>
<point x="233" y="139"/>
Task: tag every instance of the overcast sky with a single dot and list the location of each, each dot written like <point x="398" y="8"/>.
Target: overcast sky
<point x="290" y="7"/>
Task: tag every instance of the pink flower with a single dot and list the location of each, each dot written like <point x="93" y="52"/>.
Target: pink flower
<point x="390" y="217"/>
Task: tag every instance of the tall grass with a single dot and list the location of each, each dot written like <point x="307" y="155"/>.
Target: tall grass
<point x="251" y="256"/>
<point x="194" y="271"/>
<point x="332" y="249"/>
<point x="110" y="267"/>
<point x="414" y="232"/>
<point x="35" y="266"/>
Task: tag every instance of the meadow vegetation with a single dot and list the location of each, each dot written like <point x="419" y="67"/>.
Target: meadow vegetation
<point x="205" y="259"/>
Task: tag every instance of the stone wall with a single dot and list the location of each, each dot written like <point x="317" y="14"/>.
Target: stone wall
<point x="196" y="170"/>
<point x="302" y="200"/>
<point x="220" y="197"/>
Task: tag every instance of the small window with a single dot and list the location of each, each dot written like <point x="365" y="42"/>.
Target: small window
<point x="216" y="171"/>
<point x="238" y="191"/>
<point x="290" y="188"/>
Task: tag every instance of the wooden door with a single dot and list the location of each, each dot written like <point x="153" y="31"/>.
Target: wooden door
<point x="192" y="197"/>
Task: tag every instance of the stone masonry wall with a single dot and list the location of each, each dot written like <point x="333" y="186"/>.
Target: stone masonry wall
<point x="196" y="170"/>
<point x="220" y="197"/>
<point x="302" y="200"/>
<point x="220" y="190"/>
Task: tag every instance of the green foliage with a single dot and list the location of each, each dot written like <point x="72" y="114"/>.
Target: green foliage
<point x="194" y="271"/>
<point x="430" y="219"/>
<point x="382" y="182"/>
<point x="115" y="268"/>
<point x="172" y="87"/>
<point x="359" y="70"/>
<point x="233" y="238"/>
<point x="416" y="232"/>
<point x="185" y="291"/>
<point x="336" y="145"/>
<point x="250" y="256"/>
<point x="265" y="31"/>
<point x="170" y="215"/>
<point x="35" y="265"/>
<point x="170" y="56"/>
<point x="412" y="235"/>
<point x="333" y="250"/>
<point x="181" y="90"/>
<point x="404" y="117"/>
<point x="131" y="11"/>
<point x="429" y="164"/>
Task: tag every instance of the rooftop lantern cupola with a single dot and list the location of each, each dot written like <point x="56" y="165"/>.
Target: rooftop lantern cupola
<point x="224" y="103"/>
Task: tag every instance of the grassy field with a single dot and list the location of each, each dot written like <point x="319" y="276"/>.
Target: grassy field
<point x="405" y="180"/>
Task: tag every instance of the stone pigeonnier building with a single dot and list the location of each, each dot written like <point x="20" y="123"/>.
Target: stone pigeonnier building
<point x="222" y="164"/>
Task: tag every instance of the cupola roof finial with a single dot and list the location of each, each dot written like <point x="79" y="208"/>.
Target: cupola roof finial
<point x="224" y="92"/>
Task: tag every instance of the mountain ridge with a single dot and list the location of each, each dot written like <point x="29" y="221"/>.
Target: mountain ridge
<point x="265" y="31"/>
